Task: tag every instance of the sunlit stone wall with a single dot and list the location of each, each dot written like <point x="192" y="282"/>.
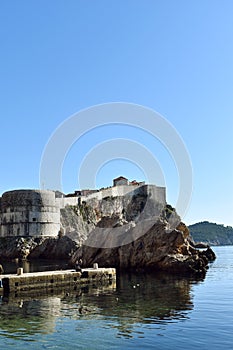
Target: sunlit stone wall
<point x="29" y="213"/>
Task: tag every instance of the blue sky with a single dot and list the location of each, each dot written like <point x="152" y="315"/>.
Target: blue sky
<point x="175" y="57"/>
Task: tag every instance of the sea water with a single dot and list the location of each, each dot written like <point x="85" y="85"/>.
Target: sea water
<point x="140" y="311"/>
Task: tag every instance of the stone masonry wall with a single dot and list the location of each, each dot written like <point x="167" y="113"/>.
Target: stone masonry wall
<point x="37" y="212"/>
<point x="29" y="213"/>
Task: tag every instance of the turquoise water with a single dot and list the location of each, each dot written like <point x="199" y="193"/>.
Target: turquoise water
<point x="140" y="311"/>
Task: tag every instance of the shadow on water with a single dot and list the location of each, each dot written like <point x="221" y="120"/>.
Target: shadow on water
<point x="133" y="300"/>
<point x="34" y="265"/>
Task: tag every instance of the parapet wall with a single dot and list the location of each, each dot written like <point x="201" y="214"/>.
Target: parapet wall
<point x="116" y="191"/>
<point x="152" y="191"/>
<point x="159" y="193"/>
<point x="64" y="201"/>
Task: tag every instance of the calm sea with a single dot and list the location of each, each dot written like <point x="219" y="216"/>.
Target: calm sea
<point x="139" y="312"/>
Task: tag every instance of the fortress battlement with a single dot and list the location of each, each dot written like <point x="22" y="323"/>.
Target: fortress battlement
<point x="37" y="212"/>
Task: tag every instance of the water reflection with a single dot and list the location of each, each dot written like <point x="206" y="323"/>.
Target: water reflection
<point x="146" y="299"/>
<point x="136" y="299"/>
<point x="34" y="265"/>
<point x="21" y="317"/>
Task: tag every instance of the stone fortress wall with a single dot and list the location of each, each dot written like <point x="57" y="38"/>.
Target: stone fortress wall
<point x="37" y="212"/>
<point x="154" y="191"/>
<point x="29" y="213"/>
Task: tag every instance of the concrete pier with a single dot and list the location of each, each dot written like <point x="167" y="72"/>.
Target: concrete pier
<point x="47" y="280"/>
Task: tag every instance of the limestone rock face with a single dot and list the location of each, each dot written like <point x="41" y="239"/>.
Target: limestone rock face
<point x="54" y="248"/>
<point x="158" y="249"/>
<point x="77" y="222"/>
<point x="31" y="247"/>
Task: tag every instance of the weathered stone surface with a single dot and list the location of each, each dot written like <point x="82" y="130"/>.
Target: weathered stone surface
<point x="157" y="249"/>
<point x="77" y="222"/>
<point x="48" y="248"/>
<point x="29" y="213"/>
<point x="54" y="248"/>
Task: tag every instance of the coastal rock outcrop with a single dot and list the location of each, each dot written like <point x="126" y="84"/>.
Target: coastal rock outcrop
<point x="32" y="247"/>
<point x="156" y="250"/>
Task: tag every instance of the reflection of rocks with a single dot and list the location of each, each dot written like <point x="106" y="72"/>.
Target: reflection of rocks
<point x="36" y="313"/>
<point x="147" y="297"/>
<point x="144" y="298"/>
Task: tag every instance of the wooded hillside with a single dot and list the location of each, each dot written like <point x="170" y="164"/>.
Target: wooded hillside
<point x="211" y="233"/>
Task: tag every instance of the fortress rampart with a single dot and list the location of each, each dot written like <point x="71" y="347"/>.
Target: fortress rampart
<point x="37" y="212"/>
<point x="158" y="193"/>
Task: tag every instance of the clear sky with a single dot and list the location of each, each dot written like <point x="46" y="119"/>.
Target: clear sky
<point x="175" y="57"/>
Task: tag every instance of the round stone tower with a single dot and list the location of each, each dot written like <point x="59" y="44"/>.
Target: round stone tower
<point x="29" y="213"/>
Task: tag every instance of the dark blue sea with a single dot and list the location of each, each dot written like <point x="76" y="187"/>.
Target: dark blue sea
<point x="138" y="312"/>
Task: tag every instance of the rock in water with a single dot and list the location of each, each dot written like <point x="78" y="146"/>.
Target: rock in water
<point x="37" y="247"/>
<point x="157" y="249"/>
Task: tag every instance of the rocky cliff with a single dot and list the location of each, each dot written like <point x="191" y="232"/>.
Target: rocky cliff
<point x="137" y="233"/>
<point x="33" y="248"/>
<point x="156" y="250"/>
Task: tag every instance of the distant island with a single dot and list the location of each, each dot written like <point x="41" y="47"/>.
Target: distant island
<point x="211" y="233"/>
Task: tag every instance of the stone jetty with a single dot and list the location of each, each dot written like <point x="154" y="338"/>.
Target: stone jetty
<point x="50" y="280"/>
